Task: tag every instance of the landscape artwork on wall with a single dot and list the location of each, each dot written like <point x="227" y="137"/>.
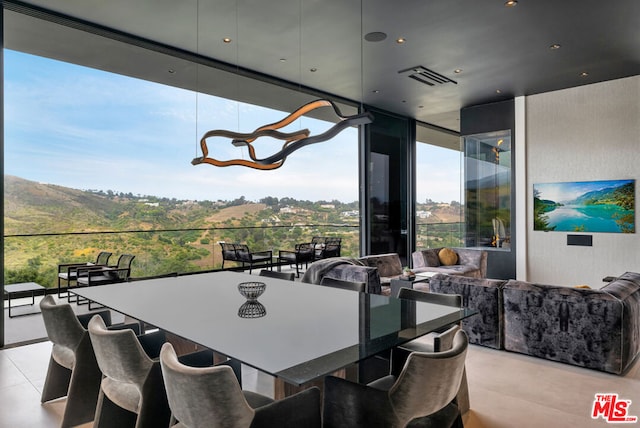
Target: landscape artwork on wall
<point x="585" y="206"/>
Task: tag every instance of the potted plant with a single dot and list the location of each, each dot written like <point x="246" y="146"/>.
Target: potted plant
<point x="407" y="274"/>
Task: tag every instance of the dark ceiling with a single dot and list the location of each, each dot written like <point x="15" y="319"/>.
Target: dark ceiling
<point x="502" y="51"/>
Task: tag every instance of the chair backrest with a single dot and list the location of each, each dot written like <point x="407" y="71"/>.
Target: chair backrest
<point x="103" y="258"/>
<point x="62" y="325"/>
<point x="242" y="252"/>
<point x="289" y="276"/>
<point x="341" y="283"/>
<point x="436" y="375"/>
<point x="200" y="397"/>
<point x="318" y="240"/>
<point x="119" y="353"/>
<point x="124" y="266"/>
<point x="228" y="251"/>
<point x="305" y="248"/>
<point x="454" y="300"/>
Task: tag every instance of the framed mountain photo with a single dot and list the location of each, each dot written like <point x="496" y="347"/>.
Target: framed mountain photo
<point x="585" y="206"/>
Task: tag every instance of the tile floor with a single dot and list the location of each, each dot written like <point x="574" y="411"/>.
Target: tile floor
<point x="506" y="390"/>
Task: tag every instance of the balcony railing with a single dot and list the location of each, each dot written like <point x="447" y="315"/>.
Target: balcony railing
<point x="35" y="257"/>
<point x="435" y="235"/>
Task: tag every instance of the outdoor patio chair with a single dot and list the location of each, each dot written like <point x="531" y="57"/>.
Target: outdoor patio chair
<point x="67" y="272"/>
<point x="331" y="248"/>
<point x="303" y="253"/>
<point x="106" y="275"/>
<point x="420" y="396"/>
<point x="242" y="254"/>
<point x="212" y="397"/>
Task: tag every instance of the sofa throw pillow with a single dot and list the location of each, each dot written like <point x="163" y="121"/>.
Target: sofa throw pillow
<point x="431" y="257"/>
<point x="448" y="257"/>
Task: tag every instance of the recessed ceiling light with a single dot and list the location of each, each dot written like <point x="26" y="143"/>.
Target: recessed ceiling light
<point x="313" y="70"/>
<point x="375" y="36"/>
<point x="457" y="70"/>
<point x="420" y="106"/>
<point x="226" y="40"/>
<point x="498" y="91"/>
<point x="400" y="40"/>
<point x="283" y="60"/>
<point x="376" y="91"/>
<point x="554" y="46"/>
<point x="171" y="71"/>
<point x="584" y="74"/>
<point x="511" y="3"/>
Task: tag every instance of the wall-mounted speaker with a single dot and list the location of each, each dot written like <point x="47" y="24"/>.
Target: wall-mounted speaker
<point x="582" y="240"/>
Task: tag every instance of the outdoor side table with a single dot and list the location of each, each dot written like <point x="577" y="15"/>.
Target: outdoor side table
<point x="11" y="290"/>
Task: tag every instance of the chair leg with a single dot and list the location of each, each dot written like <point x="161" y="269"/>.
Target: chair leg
<point x="56" y="383"/>
<point x="83" y="388"/>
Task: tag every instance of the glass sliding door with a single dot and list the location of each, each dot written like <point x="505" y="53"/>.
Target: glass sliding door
<point x="388" y="186"/>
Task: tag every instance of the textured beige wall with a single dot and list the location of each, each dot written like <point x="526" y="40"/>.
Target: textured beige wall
<point x="586" y="133"/>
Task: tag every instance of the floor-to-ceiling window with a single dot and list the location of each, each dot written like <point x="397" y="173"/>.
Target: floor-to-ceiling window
<point x="96" y="152"/>
<point x="439" y="197"/>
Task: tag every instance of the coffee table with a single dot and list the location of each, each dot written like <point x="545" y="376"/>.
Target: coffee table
<point x="12" y="290"/>
<point x="397" y="284"/>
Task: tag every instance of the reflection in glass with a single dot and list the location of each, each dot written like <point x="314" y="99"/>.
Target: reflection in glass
<point x="488" y="189"/>
<point x="252" y="309"/>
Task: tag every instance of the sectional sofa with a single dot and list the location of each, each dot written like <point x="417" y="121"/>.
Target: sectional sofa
<point x="596" y="329"/>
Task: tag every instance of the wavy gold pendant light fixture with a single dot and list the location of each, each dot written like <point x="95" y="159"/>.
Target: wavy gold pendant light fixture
<point x="292" y="141"/>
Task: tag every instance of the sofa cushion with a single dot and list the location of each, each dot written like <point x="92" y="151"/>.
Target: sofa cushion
<point x="482" y="295"/>
<point x="577" y="326"/>
<point x="447" y="257"/>
<point x="354" y="273"/>
<point x="388" y="265"/>
<point x="431" y="257"/>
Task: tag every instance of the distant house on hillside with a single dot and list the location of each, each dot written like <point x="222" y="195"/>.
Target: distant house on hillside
<point x="352" y="213"/>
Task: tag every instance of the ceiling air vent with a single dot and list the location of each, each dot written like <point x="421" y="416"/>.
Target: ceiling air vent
<point x="424" y="75"/>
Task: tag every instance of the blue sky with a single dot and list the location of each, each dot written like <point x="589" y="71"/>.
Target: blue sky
<point x="88" y="129"/>
<point x="568" y="191"/>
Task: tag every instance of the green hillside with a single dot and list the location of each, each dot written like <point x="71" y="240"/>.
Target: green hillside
<point x="164" y="234"/>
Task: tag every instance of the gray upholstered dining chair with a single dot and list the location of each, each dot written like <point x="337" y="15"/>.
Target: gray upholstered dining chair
<point x="344" y="284"/>
<point x="212" y="397"/>
<point x="132" y="392"/>
<point x="420" y="396"/>
<point x="287" y="276"/>
<point x="438" y="341"/>
<point x="73" y="371"/>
